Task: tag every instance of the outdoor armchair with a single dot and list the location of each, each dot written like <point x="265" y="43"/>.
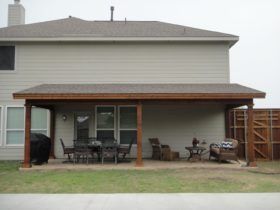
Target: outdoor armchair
<point x="161" y="151"/>
<point x="221" y="152"/>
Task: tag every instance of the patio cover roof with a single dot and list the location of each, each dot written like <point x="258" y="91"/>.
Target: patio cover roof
<point x="138" y="91"/>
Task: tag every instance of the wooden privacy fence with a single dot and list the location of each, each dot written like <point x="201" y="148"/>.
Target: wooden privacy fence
<point x="266" y="132"/>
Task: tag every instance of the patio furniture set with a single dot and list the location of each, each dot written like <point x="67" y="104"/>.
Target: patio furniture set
<point x="226" y="150"/>
<point x="86" y="149"/>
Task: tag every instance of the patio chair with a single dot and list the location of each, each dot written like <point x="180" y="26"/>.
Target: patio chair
<point x="109" y="149"/>
<point x="67" y="150"/>
<point x="95" y="149"/>
<point x="81" y="151"/>
<point x="161" y="151"/>
<point x="224" y="153"/>
<point x="125" y="150"/>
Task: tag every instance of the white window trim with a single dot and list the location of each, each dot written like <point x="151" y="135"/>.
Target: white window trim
<point x="105" y="129"/>
<point x="5" y="130"/>
<point x="124" y="129"/>
<point x="1" y="125"/>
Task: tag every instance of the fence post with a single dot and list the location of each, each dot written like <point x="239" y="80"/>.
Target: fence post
<point x="251" y="151"/>
<point x="271" y="134"/>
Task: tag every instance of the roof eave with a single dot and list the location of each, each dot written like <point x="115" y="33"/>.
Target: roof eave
<point x="232" y="39"/>
<point x="137" y="96"/>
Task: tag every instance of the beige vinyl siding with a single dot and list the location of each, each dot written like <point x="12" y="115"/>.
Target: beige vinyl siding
<point x="11" y="153"/>
<point x="115" y="63"/>
<point x="174" y="125"/>
<point x="65" y="129"/>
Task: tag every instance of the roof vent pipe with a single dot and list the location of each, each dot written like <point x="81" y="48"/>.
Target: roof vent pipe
<point x="112" y="13"/>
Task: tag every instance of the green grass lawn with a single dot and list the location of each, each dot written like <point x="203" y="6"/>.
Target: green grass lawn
<point x="264" y="179"/>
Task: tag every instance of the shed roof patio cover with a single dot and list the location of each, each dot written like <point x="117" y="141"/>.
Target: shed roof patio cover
<point x="221" y="93"/>
<point x="139" y="91"/>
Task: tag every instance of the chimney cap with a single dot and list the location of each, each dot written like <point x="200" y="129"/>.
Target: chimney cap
<point x="17" y="1"/>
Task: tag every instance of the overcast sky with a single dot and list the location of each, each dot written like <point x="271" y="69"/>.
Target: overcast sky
<point x="254" y="60"/>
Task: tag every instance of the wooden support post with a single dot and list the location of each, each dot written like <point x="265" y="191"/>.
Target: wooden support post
<point x="139" y="161"/>
<point x="250" y="137"/>
<point x="52" y="132"/>
<point x="228" y="123"/>
<point x="26" y="163"/>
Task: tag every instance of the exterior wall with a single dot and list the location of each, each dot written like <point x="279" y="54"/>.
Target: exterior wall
<point x="11" y="153"/>
<point x="114" y="63"/>
<point x="174" y="125"/>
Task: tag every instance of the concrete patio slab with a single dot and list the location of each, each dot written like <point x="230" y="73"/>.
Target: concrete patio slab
<point x="56" y="164"/>
<point x="192" y="201"/>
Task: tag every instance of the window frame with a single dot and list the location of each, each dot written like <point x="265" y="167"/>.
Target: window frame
<point x="15" y="61"/>
<point x="125" y="129"/>
<point x="104" y="129"/>
<point x="6" y="117"/>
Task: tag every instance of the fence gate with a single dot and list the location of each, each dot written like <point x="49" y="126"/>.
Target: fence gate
<point x="266" y="132"/>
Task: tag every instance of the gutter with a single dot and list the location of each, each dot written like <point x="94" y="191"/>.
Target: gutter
<point x="232" y="40"/>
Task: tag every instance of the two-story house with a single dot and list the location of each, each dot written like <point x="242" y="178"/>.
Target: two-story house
<point x="72" y="78"/>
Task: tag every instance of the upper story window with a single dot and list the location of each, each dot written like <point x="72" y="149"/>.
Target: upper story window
<point x="7" y="58"/>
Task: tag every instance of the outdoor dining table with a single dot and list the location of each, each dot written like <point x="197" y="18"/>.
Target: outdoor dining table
<point x="195" y="152"/>
<point x="98" y="147"/>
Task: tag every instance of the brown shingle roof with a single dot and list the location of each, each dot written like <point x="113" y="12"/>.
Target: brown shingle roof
<point x="75" y="27"/>
<point x="139" y="90"/>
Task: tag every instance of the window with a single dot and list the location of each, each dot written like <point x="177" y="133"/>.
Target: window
<point x="127" y="124"/>
<point x="15" y="126"/>
<point x="82" y="122"/>
<point x="105" y="122"/>
<point x="7" y="58"/>
<point x="39" y="121"/>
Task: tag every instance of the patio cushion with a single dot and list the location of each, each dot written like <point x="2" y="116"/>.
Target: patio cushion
<point x="226" y="144"/>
